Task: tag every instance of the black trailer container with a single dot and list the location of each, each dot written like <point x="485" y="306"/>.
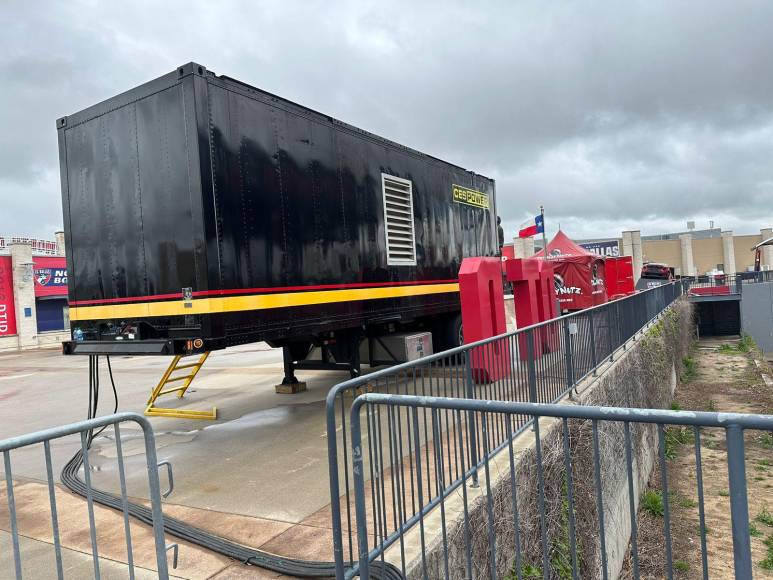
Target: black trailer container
<point x="201" y="212"/>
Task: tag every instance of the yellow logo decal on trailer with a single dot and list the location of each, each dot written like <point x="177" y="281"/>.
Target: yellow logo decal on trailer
<point x="470" y="197"/>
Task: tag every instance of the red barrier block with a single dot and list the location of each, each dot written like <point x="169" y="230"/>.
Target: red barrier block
<point x="547" y="306"/>
<point x="524" y="275"/>
<point x="534" y="299"/>
<point x="546" y="290"/>
<point x="483" y="316"/>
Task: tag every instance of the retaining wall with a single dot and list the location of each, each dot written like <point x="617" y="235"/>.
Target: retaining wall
<point x="757" y="314"/>
<point x="642" y="375"/>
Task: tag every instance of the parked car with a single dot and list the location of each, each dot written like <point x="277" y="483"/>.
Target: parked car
<point x="656" y="270"/>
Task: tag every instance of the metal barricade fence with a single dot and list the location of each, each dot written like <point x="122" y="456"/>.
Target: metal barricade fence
<point x="726" y="283"/>
<point x="475" y="514"/>
<point x="541" y="363"/>
<point x="85" y="430"/>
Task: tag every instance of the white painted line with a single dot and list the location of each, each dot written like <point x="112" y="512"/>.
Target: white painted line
<point x="16" y="377"/>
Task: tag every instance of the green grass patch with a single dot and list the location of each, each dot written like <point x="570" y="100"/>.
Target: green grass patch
<point x="530" y="571"/>
<point x="766" y="440"/>
<point x="764" y="517"/>
<point x="746" y="344"/>
<point x="724" y="493"/>
<point x="652" y="502"/>
<point x="675" y="406"/>
<point x="690" y="370"/>
<point x="712" y="406"/>
<point x="560" y="556"/>
<point x="763" y="462"/>
<point x="754" y="531"/>
<point x="681" y="566"/>
<point x="674" y="437"/>
<point x="767" y="563"/>
<point x="687" y="502"/>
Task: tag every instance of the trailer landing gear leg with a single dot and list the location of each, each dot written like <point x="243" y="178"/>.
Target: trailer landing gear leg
<point x="290" y="384"/>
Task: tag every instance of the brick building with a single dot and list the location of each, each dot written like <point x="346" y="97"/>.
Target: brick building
<point x="690" y="253"/>
<point x="33" y="293"/>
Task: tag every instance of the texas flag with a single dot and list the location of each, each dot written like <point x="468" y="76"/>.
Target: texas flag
<point x="532" y="227"/>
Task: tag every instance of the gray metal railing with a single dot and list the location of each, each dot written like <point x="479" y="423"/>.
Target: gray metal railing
<point x="85" y="431"/>
<point x="729" y="283"/>
<point x="541" y="364"/>
<point x="472" y="538"/>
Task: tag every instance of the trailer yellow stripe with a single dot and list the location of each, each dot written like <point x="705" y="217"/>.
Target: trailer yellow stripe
<point x="252" y="302"/>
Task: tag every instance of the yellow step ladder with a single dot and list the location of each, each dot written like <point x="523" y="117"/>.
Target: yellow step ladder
<point x="184" y="382"/>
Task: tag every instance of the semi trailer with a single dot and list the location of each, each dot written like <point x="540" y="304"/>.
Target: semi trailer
<point x="201" y="212"/>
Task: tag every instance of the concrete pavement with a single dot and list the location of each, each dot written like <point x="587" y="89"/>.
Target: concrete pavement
<point x="258" y="474"/>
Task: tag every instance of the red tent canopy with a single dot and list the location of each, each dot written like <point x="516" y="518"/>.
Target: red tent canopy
<point x="579" y="274"/>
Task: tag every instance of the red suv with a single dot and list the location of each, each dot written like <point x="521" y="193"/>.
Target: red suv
<point x="656" y="270"/>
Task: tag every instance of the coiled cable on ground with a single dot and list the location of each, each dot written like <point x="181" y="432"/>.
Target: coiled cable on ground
<point x="192" y="534"/>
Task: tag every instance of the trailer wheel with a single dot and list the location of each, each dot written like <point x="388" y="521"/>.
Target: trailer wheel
<point x="448" y="333"/>
<point x="458" y="330"/>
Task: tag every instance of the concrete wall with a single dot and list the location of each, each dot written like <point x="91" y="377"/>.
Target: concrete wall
<point x="688" y="260"/>
<point x="707" y="253"/>
<point x="9" y="343"/>
<point x="621" y="383"/>
<point x="744" y="257"/>
<point x="25" y="305"/>
<point x="523" y="247"/>
<point x="630" y="245"/>
<point x="767" y="251"/>
<point x="24" y="295"/>
<point x="665" y="251"/>
<point x="60" y="243"/>
<point x="728" y="252"/>
<point x="757" y="314"/>
<point x="52" y="339"/>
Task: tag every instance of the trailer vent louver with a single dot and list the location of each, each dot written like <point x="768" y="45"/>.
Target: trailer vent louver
<point x="398" y="221"/>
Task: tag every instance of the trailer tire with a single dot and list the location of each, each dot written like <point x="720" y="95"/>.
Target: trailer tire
<point x="447" y="333"/>
<point x="457" y="330"/>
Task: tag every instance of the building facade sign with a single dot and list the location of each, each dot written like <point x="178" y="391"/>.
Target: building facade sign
<point x="7" y="308"/>
<point x="50" y="276"/>
<point x="604" y="248"/>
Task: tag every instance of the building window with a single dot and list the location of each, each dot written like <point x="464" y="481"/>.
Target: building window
<point x="398" y="221"/>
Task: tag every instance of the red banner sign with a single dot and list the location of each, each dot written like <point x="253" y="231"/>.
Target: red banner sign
<point x="50" y="276"/>
<point x="7" y="310"/>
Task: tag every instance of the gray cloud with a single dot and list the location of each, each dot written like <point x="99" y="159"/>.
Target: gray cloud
<point x="614" y="116"/>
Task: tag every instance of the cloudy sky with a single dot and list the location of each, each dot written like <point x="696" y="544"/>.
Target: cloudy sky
<point x="614" y="115"/>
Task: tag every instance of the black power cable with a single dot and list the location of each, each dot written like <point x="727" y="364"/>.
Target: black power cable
<point x="187" y="532"/>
